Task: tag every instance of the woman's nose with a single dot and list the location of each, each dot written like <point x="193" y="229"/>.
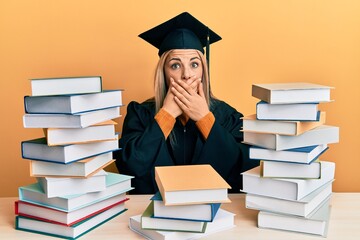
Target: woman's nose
<point x="187" y="73"/>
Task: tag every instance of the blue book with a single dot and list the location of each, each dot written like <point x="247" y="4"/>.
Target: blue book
<point x="115" y="184"/>
<point x="305" y="155"/>
<point x="37" y="149"/>
<point x="197" y="212"/>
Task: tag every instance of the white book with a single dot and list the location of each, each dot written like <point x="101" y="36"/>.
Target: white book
<point x="323" y="134"/>
<point x="37" y="149"/>
<point x="274" y="169"/>
<point x="284" y="188"/>
<point x="296" y="155"/>
<point x="69" y="232"/>
<point x="316" y="224"/>
<point x="252" y="124"/>
<point x="65" y="85"/>
<point x="56" y="186"/>
<point x="79" y="120"/>
<point x="82" y="168"/>
<point x="303" y="207"/>
<point x="295" y="92"/>
<point x="67" y="218"/>
<point x="115" y="184"/>
<point x="223" y="220"/>
<point x="75" y="103"/>
<point x="98" y="132"/>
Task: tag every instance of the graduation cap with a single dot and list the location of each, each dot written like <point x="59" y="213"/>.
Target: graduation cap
<point x="181" y="32"/>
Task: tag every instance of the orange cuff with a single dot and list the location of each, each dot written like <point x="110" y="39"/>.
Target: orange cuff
<point x="166" y="121"/>
<point x="205" y="124"/>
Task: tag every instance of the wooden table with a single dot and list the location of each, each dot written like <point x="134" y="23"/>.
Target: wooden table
<point x="344" y="221"/>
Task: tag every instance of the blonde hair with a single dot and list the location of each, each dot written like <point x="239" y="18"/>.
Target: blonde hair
<point x="160" y="88"/>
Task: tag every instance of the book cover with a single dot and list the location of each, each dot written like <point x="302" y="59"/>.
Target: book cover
<point x="115" y="184"/>
<point x="288" y="189"/>
<point x="65" y="85"/>
<point x="70" y="232"/>
<point x="223" y="220"/>
<point x="251" y="124"/>
<point x="56" y="186"/>
<point x="274" y="169"/>
<point x="37" y="149"/>
<point x="302" y="207"/>
<point x="75" y="103"/>
<point x="78" y="120"/>
<point x="46" y="214"/>
<point x="191" y="184"/>
<point x="295" y="92"/>
<point x="317" y="223"/>
<point x="197" y="212"/>
<point x="323" y="134"/>
<point x="148" y="221"/>
<point x="82" y="168"/>
<point x="303" y="155"/>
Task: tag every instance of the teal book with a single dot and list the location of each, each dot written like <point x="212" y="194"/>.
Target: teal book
<point x="197" y="212"/>
<point x="166" y="224"/>
<point x="115" y="184"/>
<point x="68" y="232"/>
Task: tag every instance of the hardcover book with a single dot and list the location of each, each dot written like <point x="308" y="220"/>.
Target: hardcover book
<point x="65" y="85"/>
<point x="274" y="169"/>
<point x="288" y="189"/>
<point x="251" y="124"/>
<point x="296" y="92"/>
<point x="37" y="149"/>
<point x="191" y="184"/>
<point x="78" y="120"/>
<point x="196" y="212"/>
<point x="75" y="103"/>
<point x="323" y="134"/>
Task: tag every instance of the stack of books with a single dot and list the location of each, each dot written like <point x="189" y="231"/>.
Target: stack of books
<point x="292" y="187"/>
<point x="187" y="205"/>
<point x="73" y="194"/>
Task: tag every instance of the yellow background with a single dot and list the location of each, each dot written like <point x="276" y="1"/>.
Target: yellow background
<point x="263" y="42"/>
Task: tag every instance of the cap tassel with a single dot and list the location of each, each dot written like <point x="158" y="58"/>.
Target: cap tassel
<point x="208" y="51"/>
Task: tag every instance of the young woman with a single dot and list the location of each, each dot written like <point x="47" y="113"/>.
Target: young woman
<point x="184" y="123"/>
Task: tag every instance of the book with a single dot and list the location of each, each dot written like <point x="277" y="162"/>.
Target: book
<point x="196" y="212"/>
<point x="295" y="92"/>
<point x="323" y="134"/>
<point x="56" y="187"/>
<point x="115" y="184"/>
<point x="70" y="232"/>
<point x="251" y="124"/>
<point x="316" y="224"/>
<point x="46" y="214"/>
<point x="302" y="207"/>
<point x="292" y="112"/>
<point x="82" y="168"/>
<point x="275" y="169"/>
<point x="191" y="184"/>
<point x="304" y="155"/>
<point x="65" y="85"/>
<point x="98" y="132"/>
<point x="223" y="220"/>
<point x="78" y="120"/>
<point x="283" y="188"/>
<point x="37" y="149"/>
<point x="74" y="103"/>
<point x="162" y="224"/>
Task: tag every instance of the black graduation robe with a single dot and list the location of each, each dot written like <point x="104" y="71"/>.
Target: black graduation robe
<point x="144" y="146"/>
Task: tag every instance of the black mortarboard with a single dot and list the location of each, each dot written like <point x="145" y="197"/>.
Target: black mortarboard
<point x="181" y="32"/>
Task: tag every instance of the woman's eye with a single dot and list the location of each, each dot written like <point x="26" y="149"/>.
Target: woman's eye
<point x="175" y="66"/>
<point x="194" y="65"/>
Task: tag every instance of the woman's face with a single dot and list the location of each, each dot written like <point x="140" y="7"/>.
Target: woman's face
<point x="183" y="64"/>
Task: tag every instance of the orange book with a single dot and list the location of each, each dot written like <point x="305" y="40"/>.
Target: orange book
<point x="191" y="184"/>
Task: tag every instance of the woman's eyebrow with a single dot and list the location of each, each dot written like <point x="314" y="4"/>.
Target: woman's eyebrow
<point x="176" y="59"/>
<point x="194" y="58"/>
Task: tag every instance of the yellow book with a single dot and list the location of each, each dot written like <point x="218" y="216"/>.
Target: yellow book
<point x="191" y="184"/>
